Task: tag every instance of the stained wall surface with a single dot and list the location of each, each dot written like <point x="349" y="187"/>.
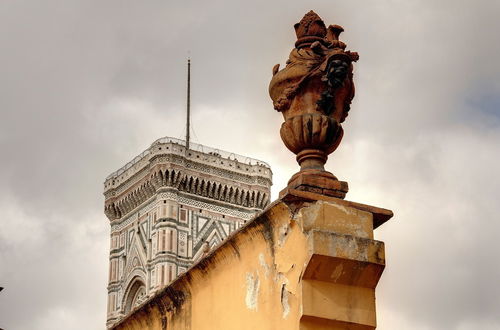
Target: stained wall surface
<point x="306" y="265"/>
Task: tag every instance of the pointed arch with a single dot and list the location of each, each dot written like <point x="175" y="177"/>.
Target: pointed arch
<point x="125" y="205"/>
<point x="171" y="176"/>
<point x="134" y="293"/>
<point x="237" y="196"/>
<point x="135" y="198"/>
<point x="160" y="178"/>
<point x="209" y="189"/>
<point x="157" y="180"/>
<point x="168" y="177"/>
<point x="192" y="187"/>
<point x="222" y="195"/>
<point x="265" y="201"/>
<point x="197" y="187"/>
<point x="151" y="189"/>
<point x="245" y="199"/>
<point x="217" y="190"/>
<point x="116" y="211"/>
<point x="182" y="183"/>
<point x="176" y="178"/>
<point x="259" y="199"/>
<point x="203" y="188"/>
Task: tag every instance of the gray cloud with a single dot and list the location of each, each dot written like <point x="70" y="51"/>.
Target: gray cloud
<point x="87" y="85"/>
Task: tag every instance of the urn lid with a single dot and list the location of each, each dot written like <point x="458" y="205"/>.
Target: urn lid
<point x="310" y="28"/>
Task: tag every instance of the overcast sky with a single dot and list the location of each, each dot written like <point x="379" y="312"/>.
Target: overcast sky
<point x="87" y="85"/>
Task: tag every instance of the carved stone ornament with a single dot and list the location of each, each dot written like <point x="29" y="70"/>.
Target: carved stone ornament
<point x="314" y="93"/>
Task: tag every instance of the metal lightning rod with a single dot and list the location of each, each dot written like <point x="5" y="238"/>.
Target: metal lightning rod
<point x="188" y="103"/>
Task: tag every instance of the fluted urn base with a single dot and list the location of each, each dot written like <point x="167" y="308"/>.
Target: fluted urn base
<point x="312" y="137"/>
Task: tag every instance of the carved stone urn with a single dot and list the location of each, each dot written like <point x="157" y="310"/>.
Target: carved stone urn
<point x="314" y="93"/>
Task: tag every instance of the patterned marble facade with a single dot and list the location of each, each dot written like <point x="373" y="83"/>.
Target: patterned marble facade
<point x="168" y="207"/>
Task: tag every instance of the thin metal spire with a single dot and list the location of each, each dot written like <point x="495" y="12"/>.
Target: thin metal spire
<point x="188" y="103"/>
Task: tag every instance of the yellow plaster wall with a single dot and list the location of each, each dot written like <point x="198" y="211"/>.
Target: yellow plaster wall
<point x="316" y="268"/>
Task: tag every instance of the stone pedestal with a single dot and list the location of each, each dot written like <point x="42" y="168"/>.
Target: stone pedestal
<point x="345" y="264"/>
<point x="318" y="182"/>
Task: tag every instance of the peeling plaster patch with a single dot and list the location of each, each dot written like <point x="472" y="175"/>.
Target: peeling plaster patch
<point x="346" y="246"/>
<point x="253" y="285"/>
<point x="337" y="272"/>
<point x="264" y="265"/>
<point x="283" y="234"/>
<point x="309" y="212"/>
<point x="284" y="301"/>
<point x="282" y="278"/>
<point x="349" y="211"/>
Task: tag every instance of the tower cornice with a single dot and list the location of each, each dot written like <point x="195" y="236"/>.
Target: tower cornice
<point x="206" y="175"/>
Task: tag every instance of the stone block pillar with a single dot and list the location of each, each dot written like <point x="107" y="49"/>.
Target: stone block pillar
<point x="345" y="262"/>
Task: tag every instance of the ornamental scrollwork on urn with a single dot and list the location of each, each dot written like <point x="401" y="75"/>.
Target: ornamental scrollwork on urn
<point x="314" y="93"/>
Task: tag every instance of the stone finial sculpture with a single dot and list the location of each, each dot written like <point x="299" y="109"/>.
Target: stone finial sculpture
<point x="314" y="93"/>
